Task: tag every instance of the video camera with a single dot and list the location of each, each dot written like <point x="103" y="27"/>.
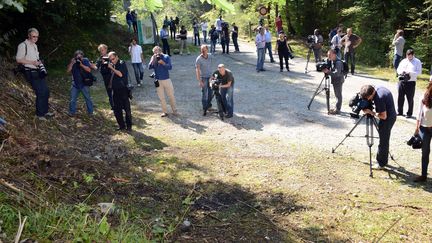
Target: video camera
<point x="357" y="103"/>
<point x="404" y="77"/>
<point x="105" y="60"/>
<point x="310" y="40"/>
<point x="215" y="83"/>
<point x="326" y="64"/>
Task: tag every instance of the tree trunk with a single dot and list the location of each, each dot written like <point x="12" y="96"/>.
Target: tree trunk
<point x="290" y="29"/>
<point x="276" y="10"/>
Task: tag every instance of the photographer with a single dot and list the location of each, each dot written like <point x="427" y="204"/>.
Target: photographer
<point x="80" y="67"/>
<point x="317" y="45"/>
<point x="119" y="83"/>
<point x="408" y="70"/>
<point x="102" y="65"/>
<point x="161" y="64"/>
<point x="398" y="42"/>
<point x="226" y="87"/>
<point x="336" y="42"/>
<point x="424" y="129"/>
<point x="386" y="113"/>
<point x="203" y="66"/>
<point x="28" y="55"/>
<point x="337" y="79"/>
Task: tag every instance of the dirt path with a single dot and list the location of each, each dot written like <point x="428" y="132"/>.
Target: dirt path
<point x="274" y="143"/>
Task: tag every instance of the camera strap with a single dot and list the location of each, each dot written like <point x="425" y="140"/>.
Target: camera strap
<point x="111" y="79"/>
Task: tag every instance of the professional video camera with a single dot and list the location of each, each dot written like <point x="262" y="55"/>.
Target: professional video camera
<point x="326" y="64"/>
<point x="105" y="60"/>
<point x="357" y="103"/>
<point x="404" y="77"/>
<point x="214" y="84"/>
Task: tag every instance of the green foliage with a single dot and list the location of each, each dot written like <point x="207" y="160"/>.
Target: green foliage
<point x="15" y="4"/>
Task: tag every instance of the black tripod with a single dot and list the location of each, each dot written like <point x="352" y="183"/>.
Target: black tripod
<point x="326" y="88"/>
<point x="308" y="58"/>
<point x="220" y="105"/>
<point x="370" y="124"/>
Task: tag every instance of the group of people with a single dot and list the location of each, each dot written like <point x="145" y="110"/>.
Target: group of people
<point x="263" y="43"/>
<point x="132" y="20"/>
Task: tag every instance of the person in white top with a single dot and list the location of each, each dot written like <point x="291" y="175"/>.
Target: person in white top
<point x="137" y="59"/>
<point x="218" y="24"/>
<point x="424" y="129"/>
<point x="204" y="27"/>
<point x="408" y="70"/>
<point x="260" y="42"/>
<point x="337" y="42"/>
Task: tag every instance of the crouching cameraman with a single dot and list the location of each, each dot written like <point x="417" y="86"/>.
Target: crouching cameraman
<point x="226" y="88"/>
<point x="386" y="113"/>
<point x="337" y="79"/>
<point x="119" y="85"/>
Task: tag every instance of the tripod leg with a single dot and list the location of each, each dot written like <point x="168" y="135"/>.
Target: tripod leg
<point x="348" y="134"/>
<point x="370" y="161"/>
<point x="316" y="92"/>
<point x="307" y="59"/>
<point x="327" y="88"/>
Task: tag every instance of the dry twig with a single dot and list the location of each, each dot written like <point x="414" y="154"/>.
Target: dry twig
<point x="20" y="228"/>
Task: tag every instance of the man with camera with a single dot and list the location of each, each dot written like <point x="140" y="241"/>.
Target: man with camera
<point x="408" y="70"/>
<point x="386" y="113"/>
<point x="161" y="64"/>
<point x="102" y="65"/>
<point x="336" y="42"/>
<point x="203" y="66"/>
<point x="34" y="72"/>
<point x="317" y="45"/>
<point x="350" y="42"/>
<point x="337" y="79"/>
<point x="225" y="79"/>
<point x="121" y="93"/>
<point x="80" y="68"/>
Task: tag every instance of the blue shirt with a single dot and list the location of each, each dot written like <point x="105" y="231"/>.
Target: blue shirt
<point x="161" y="71"/>
<point x="77" y="73"/>
<point x="383" y="100"/>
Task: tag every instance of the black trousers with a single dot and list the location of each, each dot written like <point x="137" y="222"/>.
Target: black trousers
<point x="106" y="79"/>
<point x="406" y="89"/>
<point x="283" y="56"/>
<point x="121" y="102"/>
<point x="166" y="47"/>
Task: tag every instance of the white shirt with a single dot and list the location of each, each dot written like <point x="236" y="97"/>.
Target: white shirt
<point x="336" y="41"/>
<point x="135" y="52"/>
<point x="268" y="36"/>
<point x="32" y="52"/>
<point x="413" y="67"/>
<point x="425" y="115"/>
<point x="260" y="41"/>
<point x="204" y="26"/>
<point x="218" y="24"/>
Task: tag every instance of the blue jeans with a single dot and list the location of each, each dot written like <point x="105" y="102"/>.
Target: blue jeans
<point x="384" y="131"/>
<point x="426" y="135"/>
<point x="396" y="60"/>
<point x="165" y="47"/>
<point x="269" y="48"/>
<point x="139" y="71"/>
<point x="338" y="52"/>
<point x="205" y="35"/>
<point x="41" y="91"/>
<point x="228" y="99"/>
<point x="207" y="94"/>
<point x="213" y="46"/>
<point x="74" y="96"/>
<point x="260" y="59"/>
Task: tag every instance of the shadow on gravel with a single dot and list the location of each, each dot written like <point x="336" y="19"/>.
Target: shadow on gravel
<point x="186" y="123"/>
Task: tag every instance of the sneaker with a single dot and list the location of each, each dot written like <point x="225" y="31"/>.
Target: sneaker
<point x="120" y="129"/>
<point x="228" y="116"/>
<point x="409" y="116"/>
<point x="175" y="113"/>
<point x="333" y="112"/>
<point x="129" y="129"/>
<point x="420" y="179"/>
<point x="204" y="113"/>
<point x="377" y="166"/>
<point x="272" y="61"/>
<point x="49" y="114"/>
<point x="139" y="85"/>
<point x="281" y="70"/>
<point x="164" y="114"/>
<point x="41" y="118"/>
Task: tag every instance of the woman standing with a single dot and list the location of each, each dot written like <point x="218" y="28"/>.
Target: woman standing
<point x="283" y="52"/>
<point x="424" y="128"/>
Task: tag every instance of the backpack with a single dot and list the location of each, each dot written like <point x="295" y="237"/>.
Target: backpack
<point x="214" y="35"/>
<point x="345" y="70"/>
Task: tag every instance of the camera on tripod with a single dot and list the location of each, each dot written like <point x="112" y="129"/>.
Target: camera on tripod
<point x="326" y="64"/>
<point x="357" y="103"/>
<point x="310" y="40"/>
<point x="404" y="77"/>
<point x="214" y="84"/>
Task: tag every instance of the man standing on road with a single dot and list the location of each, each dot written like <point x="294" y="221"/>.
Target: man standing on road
<point x="234" y="36"/>
<point x="203" y="66"/>
<point x="268" y="46"/>
<point x="337" y="79"/>
<point x="351" y="42"/>
<point x="260" y="44"/>
<point x="204" y="27"/>
<point x="336" y="42"/>
<point x="28" y="55"/>
<point x="386" y="113"/>
<point x="164" y="37"/>
<point x="137" y="59"/>
<point x="398" y="42"/>
<point x="278" y="24"/>
<point x="317" y="45"/>
<point x="410" y="67"/>
<point x="226" y="88"/>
